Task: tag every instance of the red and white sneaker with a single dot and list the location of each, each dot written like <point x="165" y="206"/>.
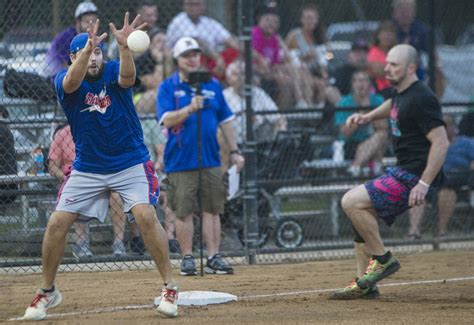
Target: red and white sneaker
<point x="169" y="300"/>
<point x="41" y="303"/>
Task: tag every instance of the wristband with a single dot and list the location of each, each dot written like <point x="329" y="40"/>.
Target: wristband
<point x="423" y="183"/>
<point x="236" y="151"/>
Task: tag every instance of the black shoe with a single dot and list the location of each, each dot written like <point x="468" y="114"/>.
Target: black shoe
<point x="188" y="267"/>
<point x="217" y="265"/>
<point x="137" y="246"/>
<point x="174" y="246"/>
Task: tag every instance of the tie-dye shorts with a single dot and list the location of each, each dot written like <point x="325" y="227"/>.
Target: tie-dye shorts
<point x="390" y="193"/>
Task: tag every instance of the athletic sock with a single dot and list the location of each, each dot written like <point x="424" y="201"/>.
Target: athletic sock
<point x="48" y="290"/>
<point x="383" y="258"/>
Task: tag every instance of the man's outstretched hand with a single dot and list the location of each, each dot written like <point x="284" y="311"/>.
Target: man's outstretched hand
<point x="121" y="35"/>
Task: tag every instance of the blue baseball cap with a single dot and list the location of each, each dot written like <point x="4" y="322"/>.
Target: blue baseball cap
<point x="79" y="42"/>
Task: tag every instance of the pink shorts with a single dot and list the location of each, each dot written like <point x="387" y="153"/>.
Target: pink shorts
<point x="390" y="192"/>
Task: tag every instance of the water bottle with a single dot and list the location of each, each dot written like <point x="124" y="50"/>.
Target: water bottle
<point x="338" y="151"/>
<point x="38" y="159"/>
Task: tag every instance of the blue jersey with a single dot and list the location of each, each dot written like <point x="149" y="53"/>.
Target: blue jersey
<point x="181" y="152"/>
<point x="104" y="124"/>
<point x="460" y="154"/>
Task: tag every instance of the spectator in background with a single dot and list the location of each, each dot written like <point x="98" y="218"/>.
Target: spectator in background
<point x="283" y="81"/>
<point x="308" y="41"/>
<point x="169" y="215"/>
<point x="148" y="11"/>
<point x="57" y="57"/>
<point x="61" y="156"/>
<point x="177" y="108"/>
<point x="216" y="42"/>
<point x="356" y="60"/>
<point x="153" y="66"/>
<point x="7" y="156"/>
<point x="458" y="169"/>
<point x="385" y="38"/>
<point x="362" y="144"/>
<point x="265" y="126"/>
<point x="307" y="44"/>
<point x="413" y="32"/>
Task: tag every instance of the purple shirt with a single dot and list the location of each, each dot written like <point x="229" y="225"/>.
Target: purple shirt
<point x="58" y="53"/>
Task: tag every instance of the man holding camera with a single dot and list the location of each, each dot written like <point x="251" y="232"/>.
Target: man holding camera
<point x="191" y="105"/>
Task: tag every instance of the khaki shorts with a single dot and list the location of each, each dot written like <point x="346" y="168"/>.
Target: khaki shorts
<point x="183" y="193"/>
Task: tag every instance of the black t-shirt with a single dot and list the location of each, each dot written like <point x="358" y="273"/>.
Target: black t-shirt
<point x="414" y="113"/>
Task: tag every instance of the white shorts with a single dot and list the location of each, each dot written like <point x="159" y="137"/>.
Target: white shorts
<point x="88" y="194"/>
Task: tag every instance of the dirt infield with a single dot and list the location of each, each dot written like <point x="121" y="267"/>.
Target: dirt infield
<point x="436" y="303"/>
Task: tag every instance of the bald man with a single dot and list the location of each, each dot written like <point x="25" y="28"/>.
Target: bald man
<point x="420" y="142"/>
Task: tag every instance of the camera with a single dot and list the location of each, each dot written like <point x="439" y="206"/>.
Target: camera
<point x="197" y="78"/>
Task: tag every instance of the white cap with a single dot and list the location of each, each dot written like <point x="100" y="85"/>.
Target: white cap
<point x="85" y="7"/>
<point x="185" y="44"/>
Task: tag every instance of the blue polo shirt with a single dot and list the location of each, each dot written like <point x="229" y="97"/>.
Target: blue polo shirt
<point x="104" y="124"/>
<point x="460" y="154"/>
<point x="181" y="152"/>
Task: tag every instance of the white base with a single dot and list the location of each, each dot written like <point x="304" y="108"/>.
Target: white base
<point x="201" y="298"/>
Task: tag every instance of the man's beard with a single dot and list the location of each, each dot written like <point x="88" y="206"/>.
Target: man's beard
<point x="92" y="78"/>
<point x="393" y="82"/>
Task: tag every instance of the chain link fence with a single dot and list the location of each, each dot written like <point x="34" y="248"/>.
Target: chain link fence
<point x="304" y="60"/>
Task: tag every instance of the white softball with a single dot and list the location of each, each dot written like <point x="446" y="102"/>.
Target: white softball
<point x="138" y="41"/>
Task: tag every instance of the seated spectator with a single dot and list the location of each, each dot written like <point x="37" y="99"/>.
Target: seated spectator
<point x="152" y="67"/>
<point x="57" y="57"/>
<point x="265" y="126"/>
<point x="356" y="60"/>
<point x="308" y="41"/>
<point x="362" y="144"/>
<point x="148" y="11"/>
<point x="216" y="42"/>
<point x="61" y="156"/>
<point x="458" y="170"/>
<point x="169" y="215"/>
<point x="7" y="156"/>
<point x="385" y="38"/>
<point x="413" y="32"/>
<point x="283" y="81"/>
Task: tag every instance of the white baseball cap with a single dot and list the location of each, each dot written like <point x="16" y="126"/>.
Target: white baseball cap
<point x="185" y="44"/>
<point x="84" y="8"/>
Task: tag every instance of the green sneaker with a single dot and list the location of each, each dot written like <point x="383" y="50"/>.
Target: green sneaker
<point x="377" y="271"/>
<point x="353" y="291"/>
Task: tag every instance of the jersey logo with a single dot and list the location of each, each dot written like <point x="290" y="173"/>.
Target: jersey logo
<point x="394" y="121"/>
<point x="208" y="94"/>
<point x="179" y="93"/>
<point x="97" y="103"/>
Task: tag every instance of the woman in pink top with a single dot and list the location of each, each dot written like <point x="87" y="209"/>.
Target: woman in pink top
<point x="385" y="39"/>
<point x="291" y="85"/>
<point x="61" y="153"/>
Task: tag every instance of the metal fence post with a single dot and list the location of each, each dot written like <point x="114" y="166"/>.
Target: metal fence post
<point x="250" y="173"/>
